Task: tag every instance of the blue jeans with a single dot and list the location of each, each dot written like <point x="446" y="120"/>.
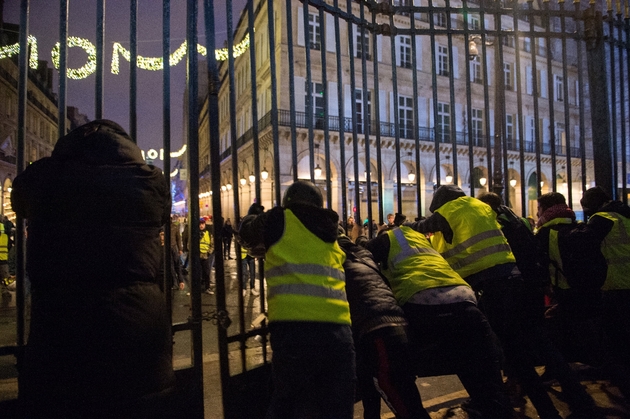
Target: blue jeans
<point x="248" y="264"/>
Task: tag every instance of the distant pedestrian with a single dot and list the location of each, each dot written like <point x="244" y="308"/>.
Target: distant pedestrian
<point x="228" y="234"/>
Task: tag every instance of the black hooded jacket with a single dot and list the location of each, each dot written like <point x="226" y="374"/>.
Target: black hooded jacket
<point x="372" y="302"/>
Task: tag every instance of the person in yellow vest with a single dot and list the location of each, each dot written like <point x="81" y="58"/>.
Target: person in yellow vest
<point x="248" y="267"/>
<point x="610" y="220"/>
<point x="468" y="235"/>
<point x="442" y="312"/>
<point x="206" y="256"/>
<point x="4" y="259"/>
<point x="313" y="364"/>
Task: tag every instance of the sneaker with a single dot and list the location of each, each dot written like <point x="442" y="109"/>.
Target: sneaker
<point x="255" y="293"/>
<point x="209" y="291"/>
<point x="244" y="293"/>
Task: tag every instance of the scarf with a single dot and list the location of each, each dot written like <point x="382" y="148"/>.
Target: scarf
<point x="556" y="211"/>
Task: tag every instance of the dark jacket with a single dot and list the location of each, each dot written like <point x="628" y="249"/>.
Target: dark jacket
<point x="602" y="226"/>
<point x="100" y="337"/>
<point x="372" y="302"/>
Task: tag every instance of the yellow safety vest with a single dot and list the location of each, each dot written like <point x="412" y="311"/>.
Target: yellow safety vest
<point x="305" y="276"/>
<point x="4" y="247"/>
<point x="205" y="243"/>
<point x="616" y="250"/>
<point x="478" y="242"/>
<point x="413" y="265"/>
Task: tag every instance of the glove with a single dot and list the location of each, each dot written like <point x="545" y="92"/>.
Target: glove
<point x="255" y="209"/>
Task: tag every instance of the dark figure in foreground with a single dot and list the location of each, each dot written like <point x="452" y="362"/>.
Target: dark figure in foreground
<point x="380" y="335"/>
<point x="309" y="317"/>
<point x="100" y="337"/>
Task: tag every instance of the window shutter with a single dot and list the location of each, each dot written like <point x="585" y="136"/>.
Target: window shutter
<point x="300" y="26"/>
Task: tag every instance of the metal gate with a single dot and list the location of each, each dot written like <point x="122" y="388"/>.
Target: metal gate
<point x="377" y="103"/>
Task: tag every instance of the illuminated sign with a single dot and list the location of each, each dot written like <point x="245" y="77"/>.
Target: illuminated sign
<point x="153" y="154"/>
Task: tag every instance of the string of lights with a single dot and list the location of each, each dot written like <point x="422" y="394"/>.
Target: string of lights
<point x="145" y="63"/>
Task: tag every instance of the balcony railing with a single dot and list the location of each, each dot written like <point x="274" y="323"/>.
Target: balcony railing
<point x="387" y="129"/>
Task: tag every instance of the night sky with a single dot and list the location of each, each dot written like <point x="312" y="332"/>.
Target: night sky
<point x="44" y="25"/>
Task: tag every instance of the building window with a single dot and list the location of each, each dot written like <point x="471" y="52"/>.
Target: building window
<point x="361" y="106"/>
<point x="560" y="138"/>
<point x="508" y="41"/>
<point x="440" y="19"/>
<point x="474" y="23"/>
<point x="507" y="71"/>
<point x="559" y="88"/>
<point x="444" y="122"/>
<point x="405" y="116"/>
<point x="314" y="31"/>
<point x="527" y="44"/>
<point x="363" y="45"/>
<point x="443" y="64"/>
<point x="316" y="91"/>
<point x="475" y="71"/>
<point x="477" y="127"/>
<point x="509" y="132"/>
<point x="405" y="51"/>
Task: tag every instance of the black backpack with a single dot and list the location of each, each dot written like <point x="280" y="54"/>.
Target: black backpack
<point x="583" y="264"/>
<point x="530" y="259"/>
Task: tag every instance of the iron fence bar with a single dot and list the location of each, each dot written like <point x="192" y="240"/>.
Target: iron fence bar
<point x="323" y="49"/>
<point x="291" y="60"/>
<point x="613" y="98"/>
<point x="396" y="115"/>
<point x="377" y="113"/>
<point x="20" y="240"/>
<point x="451" y="85"/>
<point x="434" y="95"/>
<point x="309" y="94"/>
<point x="520" y="118"/>
<point x="63" y="67"/>
<point x="193" y="185"/>
<point x="486" y="93"/>
<point x="133" y="70"/>
<point x="166" y="144"/>
<point x="624" y="140"/>
<point x="551" y="93"/>
<point x="254" y="96"/>
<point x="100" y="68"/>
<point x="567" y="116"/>
<point x="535" y="93"/>
<point x="274" y="105"/>
<point x="469" y="128"/>
<point x="341" y="112"/>
<point x="416" y="112"/>
<point x="353" y="110"/>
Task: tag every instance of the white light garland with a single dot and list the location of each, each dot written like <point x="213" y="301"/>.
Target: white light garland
<point x="145" y="63"/>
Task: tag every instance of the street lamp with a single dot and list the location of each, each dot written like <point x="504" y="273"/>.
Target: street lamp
<point x="411" y="175"/>
<point x="317" y="170"/>
<point x="264" y="174"/>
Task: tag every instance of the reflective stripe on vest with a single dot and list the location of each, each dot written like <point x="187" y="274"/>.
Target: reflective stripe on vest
<point x="557" y="278"/>
<point x="478" y="243"/>
<point x="616" y="250"/>
<point x="305" y="277"/>
<point x="413" y="265"/>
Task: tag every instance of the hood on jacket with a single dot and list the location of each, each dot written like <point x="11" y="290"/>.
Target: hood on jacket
<point x="98" y="143"/>
<point x="444" y="194"/>
<point x="618" y="207"/>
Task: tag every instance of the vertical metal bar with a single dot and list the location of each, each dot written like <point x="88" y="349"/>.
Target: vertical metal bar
<point x="20" y="241"/>
<point x="551" y="93"/>
<point x="451" y="84"/>
<point x="166" y="142"/>
<point x="435" y="95"/>
<point x="486" y="94"/>
<point x="613" y="101"/>
<point x="469" y="128"/>
<point x="600" y="118"/>
<point x="290" y="56"/>
<point x="535" y="93"/>
<point x="367" y="103"/>
<point x="416" y="111"/>
<point x="499" y="104"/>
<point x="323" y="47"/>
<point x="396" y="112"/>
<point x="626" y="112"/>
<point x="100" y="68"/>
<point x="133" y="70"/>
<point x="521" y="116"/>
<point x="342" y="119"/>
<point x="580" y="95"/>
<point x="353" y="110"/>
<point x="215" y="165"/>
<point x="377" y="114"/>
<point x="274" y="102"/>
<point x="193" y="196"/>
<point x="63" y="66"/>
<point x="308" y="89"/>
<point x="567" y="119"/>
<point x="254" y="95"/>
